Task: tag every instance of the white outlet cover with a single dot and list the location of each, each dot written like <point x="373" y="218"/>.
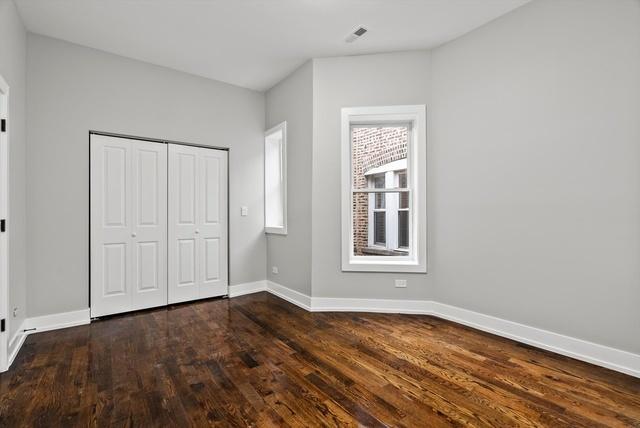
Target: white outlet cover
<point x="401" y="283"/>
<point x="274" y="269"/>
<point x="244" y="211"/>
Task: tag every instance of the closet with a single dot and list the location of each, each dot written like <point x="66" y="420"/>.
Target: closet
<point x="158" y="214"/>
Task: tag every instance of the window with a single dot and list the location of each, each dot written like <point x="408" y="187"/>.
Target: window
<point x="275" y="180"/>
<point x="383" y="189"/>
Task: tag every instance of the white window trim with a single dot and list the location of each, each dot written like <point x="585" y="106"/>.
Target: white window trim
<point x="416" y="176"/>
<point x="278" y="230"/>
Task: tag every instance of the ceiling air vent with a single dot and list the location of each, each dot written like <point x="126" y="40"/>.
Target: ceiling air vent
<point x="355" y="34"/>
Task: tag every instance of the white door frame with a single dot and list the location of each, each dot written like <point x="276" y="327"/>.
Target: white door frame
<point x="4" y="214"/>
<point x="167" y="142"/>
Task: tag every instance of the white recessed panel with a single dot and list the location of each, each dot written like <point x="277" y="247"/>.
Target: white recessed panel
<point x="147" y="275"/>
<point x="114" y="264"/>
<point x="212" y="258"/>
<point x="148" y="181"/>
<point x="186" y="262"/>
<point x="186" y="188"/>
<point x="212" y="189"/>
<point x="114" y="182"/>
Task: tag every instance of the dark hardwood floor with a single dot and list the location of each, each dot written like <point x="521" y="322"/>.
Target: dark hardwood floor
<point x="260" y="361"/>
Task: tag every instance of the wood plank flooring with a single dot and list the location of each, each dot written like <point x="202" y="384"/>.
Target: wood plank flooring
<point x="259" y="361"/>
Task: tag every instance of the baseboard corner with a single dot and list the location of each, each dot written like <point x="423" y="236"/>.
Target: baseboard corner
<point x="290" y="295"/>
<point x="15" y="344"/>
<point x="244" y="288"/>
<point x="58" y="321"/>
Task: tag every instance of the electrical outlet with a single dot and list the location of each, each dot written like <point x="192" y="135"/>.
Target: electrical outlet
<point x="15" y="312"/>
<point x="401" y="283"/>
<point x="274" y="270"/>
<point x="244" y="211"/>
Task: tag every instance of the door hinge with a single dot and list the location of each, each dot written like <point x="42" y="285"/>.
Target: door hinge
<point x="3" y="225"/>
<point x="3" y="125"/>
<point x="2" y="325"/>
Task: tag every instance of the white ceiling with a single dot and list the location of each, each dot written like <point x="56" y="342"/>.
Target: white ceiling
<point x="254" y="43"/>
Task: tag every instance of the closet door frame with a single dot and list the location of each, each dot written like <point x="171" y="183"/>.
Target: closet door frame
<point x="166" y="142"/>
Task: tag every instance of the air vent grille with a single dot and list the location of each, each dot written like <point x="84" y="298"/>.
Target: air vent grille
<point x="355" y="34"/>
<point x="360" y="31"/>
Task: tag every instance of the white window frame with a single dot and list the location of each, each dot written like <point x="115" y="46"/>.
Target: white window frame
<point x="415" y="116"/>
<point x="281" y="127"/>
<point x="392" y="207"/>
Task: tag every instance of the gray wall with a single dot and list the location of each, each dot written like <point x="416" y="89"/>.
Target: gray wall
<point x="13" y="59"/>
<point x="368" y="80"/>
<point x="292" y="100"/>
<point x="72" y="90"/>
<point x="535" y="131"/>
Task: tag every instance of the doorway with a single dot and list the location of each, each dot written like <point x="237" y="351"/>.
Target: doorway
<point x="4" y="217"/>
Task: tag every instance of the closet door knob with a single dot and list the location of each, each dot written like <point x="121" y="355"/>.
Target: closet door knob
<point x="197" y="230"/>
<point x="133" y="235"/>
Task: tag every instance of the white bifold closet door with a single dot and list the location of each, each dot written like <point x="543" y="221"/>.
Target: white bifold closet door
<point x="128" y="225"/>
<point x="198" y="250"/>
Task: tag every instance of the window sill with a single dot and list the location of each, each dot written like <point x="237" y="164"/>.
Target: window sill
<point x="275" y="231"/>
<point x="377" y="251"/>
<point x="374" y="264"/>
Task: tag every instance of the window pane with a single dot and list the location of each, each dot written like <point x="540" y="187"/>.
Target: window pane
<point x="379" y="232"/>
<point x="402" y="182"/>
<point x="403" y="229"/>
<point x="402" y="178"/>
<point x="274" y="191"/>
<point x="376" y="150"/>
<point x="380" y="237"/>
<point x="360" y="223"/>
<point x="378" y="183"/>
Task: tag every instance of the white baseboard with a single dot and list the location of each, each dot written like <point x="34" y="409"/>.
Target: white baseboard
<point x="288" y="294"/>
<point x="600" y="355"/>
<point x="604" y="356"/>
<point x="247" y="288"/>
<point x="291" y="296"/>
<point x="15" y="344"/>
<point x="331" y="304"/>
<point x="57" y="321"/>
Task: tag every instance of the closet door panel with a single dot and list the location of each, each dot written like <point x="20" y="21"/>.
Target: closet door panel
<point x="149" y="232"/>
<point x="128" y="225"/>
<point x="197" y="223"/>
<point x="111" y="270"/>
<point x="213" y="228"/>
<point x="183" y="222"/>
